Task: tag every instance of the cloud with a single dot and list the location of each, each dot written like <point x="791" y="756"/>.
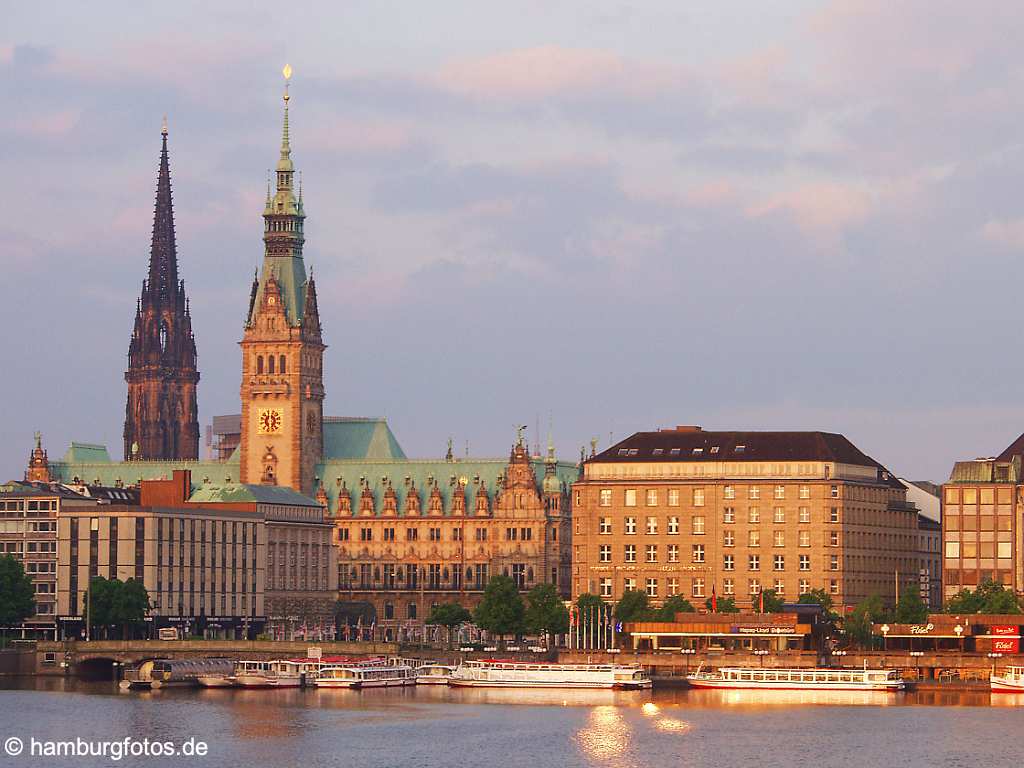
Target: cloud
<point x="820" y="208"/>
<point x="1006" y="233"/>
<point x="52" y="125"/>
<point x="532" y="73"/>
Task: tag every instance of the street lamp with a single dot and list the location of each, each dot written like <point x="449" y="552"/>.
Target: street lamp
<point x="885" y="634"/>
<point x="959" y="636"/>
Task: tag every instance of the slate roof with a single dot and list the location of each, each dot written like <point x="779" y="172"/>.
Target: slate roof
<point x="1016" y="448"/>
<point x="697" y="445"/>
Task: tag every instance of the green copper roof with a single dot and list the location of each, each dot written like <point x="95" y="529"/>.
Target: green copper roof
<point x="111" y="473"/>
<point x="87" y="453"/>
<point x="357" y="438"/>
<point x="237" y="493"/>
<point x="290" y="273"/>
<point x="399" y="473"/>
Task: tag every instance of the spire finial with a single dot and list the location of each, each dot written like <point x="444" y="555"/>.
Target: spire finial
<point x="163" y="127"/>
<point x="285" y="146"/>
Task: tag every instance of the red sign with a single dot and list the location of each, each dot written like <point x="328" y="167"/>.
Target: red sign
<point x="1004" y="630"/>
<point x="1005" y="644"/>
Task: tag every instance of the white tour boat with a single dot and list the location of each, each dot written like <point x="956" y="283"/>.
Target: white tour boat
<point x="434" y="674"/>
<point x="267" y="674"/>
<point x="499" y="673"/>
<point x="798" y="679"/>
<point x="366" y="676"/>
<point x="1011" y="681"/>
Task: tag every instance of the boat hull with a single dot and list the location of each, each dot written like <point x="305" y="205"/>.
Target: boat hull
<point x="432" y="680"/>
<point x="1003" y="685"/>
<point x="610" y="685"/>
<point x="215" y="682"/>
<point x="783" y="686"/>
<point x="258" y="681"/>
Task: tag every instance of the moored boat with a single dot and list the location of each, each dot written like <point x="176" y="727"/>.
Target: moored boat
<point x="1010" y="681"/>
<point x="503" y="673"/>
<point x="366" y="676"/>
<point x="160" y="673"/>
<point x="434" y="674"/>
<point x="817" y="679"/>
<point x="267" y="674"/>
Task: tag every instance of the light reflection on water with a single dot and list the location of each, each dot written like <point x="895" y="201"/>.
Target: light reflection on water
<point x="438" y="727"/>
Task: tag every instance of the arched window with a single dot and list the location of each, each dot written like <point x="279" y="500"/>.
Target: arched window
<point x="259" y="363"/>
<point x="282" y="368"/>
<point x="270" y="363"/>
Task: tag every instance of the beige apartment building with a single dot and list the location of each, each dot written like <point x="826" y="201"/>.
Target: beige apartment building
<point x="684" y="512"/>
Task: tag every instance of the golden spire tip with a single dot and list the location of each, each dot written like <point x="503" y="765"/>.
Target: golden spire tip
<point x="163" y="128"/>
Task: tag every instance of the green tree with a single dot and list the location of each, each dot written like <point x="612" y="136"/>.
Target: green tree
<point x="113" y="603"/>
<point x="673" y="605"/>
<point x="545" y="611"/>
<point x="501" y="611"/>
<point x="632" y="606"/>
<point x="767" y="602"/>
<point x="588" y="603"/>
<point x="17" y="595"/>
<point x="911" y="609"/>
<point x="857" y="626"/>
<point x="989" y="597"/>
<point x="449" y="616"/>
<point x="723" y="604"/>
<point x="824" y="599"/>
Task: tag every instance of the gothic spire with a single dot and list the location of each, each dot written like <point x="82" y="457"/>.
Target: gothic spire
<point x="163" y="257"/>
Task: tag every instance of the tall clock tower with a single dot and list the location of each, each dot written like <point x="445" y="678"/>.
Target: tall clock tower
<point x="282" y="349"/>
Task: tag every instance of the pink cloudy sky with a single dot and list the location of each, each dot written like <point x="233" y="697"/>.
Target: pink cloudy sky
<point x="616" y="216"/>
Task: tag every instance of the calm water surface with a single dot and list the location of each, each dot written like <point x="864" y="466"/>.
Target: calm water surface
<point x="435" y="727"/>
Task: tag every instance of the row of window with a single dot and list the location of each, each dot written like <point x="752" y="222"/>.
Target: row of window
<point x="282" y="367"/>
<point x="697" y="555"/>
<point x="652" y="496"/>
<point x="956" y="549"/>
<point x="698" y="522"/>
<point x="698" y="587"/>
<point x="32" y="506"/>
<point x="434" y="534"/>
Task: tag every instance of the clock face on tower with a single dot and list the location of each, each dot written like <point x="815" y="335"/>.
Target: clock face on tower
<point x="268" y="421"/>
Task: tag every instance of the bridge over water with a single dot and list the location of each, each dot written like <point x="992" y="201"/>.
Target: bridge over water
<point x="101" y="658"/>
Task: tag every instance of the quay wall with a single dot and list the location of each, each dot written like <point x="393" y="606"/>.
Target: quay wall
<point x="925" y="670"/>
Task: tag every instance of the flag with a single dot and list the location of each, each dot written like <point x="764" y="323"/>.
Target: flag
<point x="714" y="600"/>
<point x="760" y="601"/>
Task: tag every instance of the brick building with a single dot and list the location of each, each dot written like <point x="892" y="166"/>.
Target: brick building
<point x="683" y="511"/>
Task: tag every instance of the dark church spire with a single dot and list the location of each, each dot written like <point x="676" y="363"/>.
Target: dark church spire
<point x="161" y="416"/>
<point x="163" y="256"/>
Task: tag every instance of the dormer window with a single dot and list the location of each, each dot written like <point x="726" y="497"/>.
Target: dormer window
<point x="674" y="452"/>
<point x="698" y="451"/>
<point x="623" y="451"/>
<point x="657" y="451"/>
<point x="714" y="449"/>
<point x="740" y="448"/>
<point x="633" y="451"/>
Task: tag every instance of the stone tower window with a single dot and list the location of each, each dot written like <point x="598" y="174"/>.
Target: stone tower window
<point x="282" y="367"/>
<point x="259" y="363"/>
<point x="270" y="363"/>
